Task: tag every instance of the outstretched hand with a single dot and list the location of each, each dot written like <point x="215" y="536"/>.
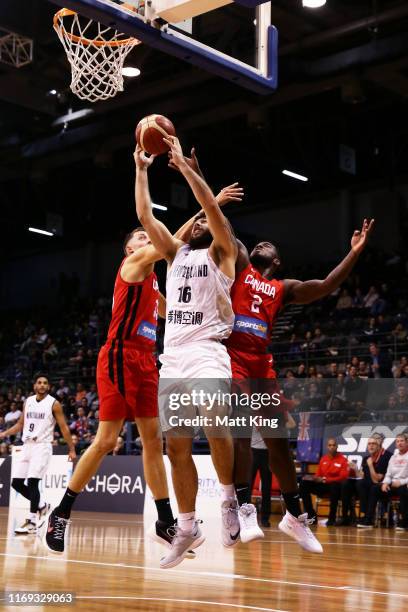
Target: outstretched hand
<point x="142" y="161"/>
<point x="190" y="161"/>
<point x="231" y="193"/>
<point x="360" y="237"/>
<point x="176" y="157"/>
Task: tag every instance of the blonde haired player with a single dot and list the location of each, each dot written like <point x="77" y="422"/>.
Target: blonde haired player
<point x="41" y="412"/>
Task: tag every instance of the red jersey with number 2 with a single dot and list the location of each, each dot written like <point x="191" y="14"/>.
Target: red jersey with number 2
<point x="256" y="302"/>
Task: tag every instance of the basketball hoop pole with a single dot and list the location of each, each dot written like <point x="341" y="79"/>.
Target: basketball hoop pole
<point x="262" y="79"/>
<point x="263" y="22"/>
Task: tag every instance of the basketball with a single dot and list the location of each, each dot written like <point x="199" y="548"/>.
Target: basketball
<point x="150" y="132"/>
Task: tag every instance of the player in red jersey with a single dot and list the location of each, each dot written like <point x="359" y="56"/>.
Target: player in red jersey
<point x="257" y="299"/>
<point x="127" y="381"/>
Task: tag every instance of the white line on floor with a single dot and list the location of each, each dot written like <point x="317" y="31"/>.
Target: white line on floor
<point x="206" y="574"/>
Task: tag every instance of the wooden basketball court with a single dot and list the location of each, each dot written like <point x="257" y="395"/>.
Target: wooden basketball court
<point x="111" y="566"/>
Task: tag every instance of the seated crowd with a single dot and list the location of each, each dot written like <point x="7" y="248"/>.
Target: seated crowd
<point x="374" y="492"/>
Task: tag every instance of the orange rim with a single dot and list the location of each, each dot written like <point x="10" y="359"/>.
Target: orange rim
<point x="58" y="26"/>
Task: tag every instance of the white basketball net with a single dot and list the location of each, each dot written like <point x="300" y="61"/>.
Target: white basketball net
<point x="96" y="54"/>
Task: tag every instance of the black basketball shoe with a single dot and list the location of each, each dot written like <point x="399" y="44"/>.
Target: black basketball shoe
<point x="55" y="532"/>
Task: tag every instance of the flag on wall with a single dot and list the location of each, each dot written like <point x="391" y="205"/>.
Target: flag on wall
<point x="310" y="436"/>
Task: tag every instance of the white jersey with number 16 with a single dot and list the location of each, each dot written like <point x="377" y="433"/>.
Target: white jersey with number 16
<point x="198" y="299"/>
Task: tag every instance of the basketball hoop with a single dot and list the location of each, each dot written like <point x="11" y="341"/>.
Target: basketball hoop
<point x="96" y="53"/>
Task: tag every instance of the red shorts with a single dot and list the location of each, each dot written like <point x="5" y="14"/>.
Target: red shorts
<point x="257" y="367"/>
<point x="127" y="380"/>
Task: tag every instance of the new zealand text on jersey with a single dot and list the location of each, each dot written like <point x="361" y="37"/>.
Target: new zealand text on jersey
<point x="193" y="271"/>
<point x="260" y="286"/>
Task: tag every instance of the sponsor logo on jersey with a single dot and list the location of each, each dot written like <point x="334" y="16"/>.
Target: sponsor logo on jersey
<point x="260" y="286"/>
<point x="248" y="325"/>
<point x="148" y="330"/>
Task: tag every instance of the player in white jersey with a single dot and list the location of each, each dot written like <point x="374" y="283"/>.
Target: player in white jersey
<point x="198" y="317"/>
<point x="40" y="414"/>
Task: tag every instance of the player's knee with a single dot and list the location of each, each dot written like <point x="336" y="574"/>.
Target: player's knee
<point x="153" y="445"/>
<point x="17" y="484"/>
<point x="104" y="445"/>
<point x="176" y="453"/>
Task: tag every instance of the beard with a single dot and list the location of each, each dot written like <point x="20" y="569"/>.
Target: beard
<point x="260" y="261"/>
<point x="201" y="241"/>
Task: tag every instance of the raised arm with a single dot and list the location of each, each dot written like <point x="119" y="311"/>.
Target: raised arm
<point x="298" y="292"/>
<point x="231" y="193"/>
<point x="59" y="417"/>
<point x="162" y="240"/>
<point x="223" y="239"/>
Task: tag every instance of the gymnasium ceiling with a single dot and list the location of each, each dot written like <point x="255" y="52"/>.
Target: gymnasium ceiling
<point x="343" y="81"/>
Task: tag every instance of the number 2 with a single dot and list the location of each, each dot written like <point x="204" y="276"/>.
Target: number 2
<point x="256" y="303"/>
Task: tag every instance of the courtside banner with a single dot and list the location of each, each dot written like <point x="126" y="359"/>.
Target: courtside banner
<point x="118" y="486"/>
<point x="352" y="438"/>
<point x="5" y="471"/>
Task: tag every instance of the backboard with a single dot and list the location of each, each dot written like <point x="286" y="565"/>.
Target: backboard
<point x="154" y="25"/>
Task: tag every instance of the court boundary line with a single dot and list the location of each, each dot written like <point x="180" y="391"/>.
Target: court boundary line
<point x="175" y="600"/>
<point x="205" y="573"/>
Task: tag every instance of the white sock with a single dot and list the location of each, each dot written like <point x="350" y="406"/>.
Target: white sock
<point x="186" y="521"/>
<point x="227" y="492"/>
<point x="33" y="517"/>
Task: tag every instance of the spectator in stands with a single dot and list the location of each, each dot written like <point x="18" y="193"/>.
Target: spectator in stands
<point x="308" y="345"/>
<point x="80" y="393"/>
<point x="91" y="394"/>
<point x="332" y="471"/>
<point x="313" y="400"/>
<point x="371" y="297"/>
<point x="363" y="371"/>
<point x="356" y="388"/>
<point x="301" y="371"/>
<point x="361" y="483"/>
<point x="378" y="308"/>
<point x="260" y="463"/>
<point x="318" y="338"/>
<point x="294" y="347"/>
<point x="394" y="485"/>
<point x="92" y="421"/>
<point x="3" y="426"/>
<point x="380" y="363"/>
<point x="119" y="447"/>
<point x="344" y="302"/>
<point x="332" y="371"/>
<point x="77" y="359"/>
<point x="339" y="389"/>
<point x="42" y="336"/>
<point x="402" y="398"/>
<point x="392" y="402"/>
<point x="358" y="299"/>
<point x="4" y="450"/>
<point x="12" y="416"/>
<point x="50" y="351"/>
<point x="80" y="445"/>
<point x="290" y="384"/>
<point x="80" y="425"/>
<point x="62" y="389"/>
